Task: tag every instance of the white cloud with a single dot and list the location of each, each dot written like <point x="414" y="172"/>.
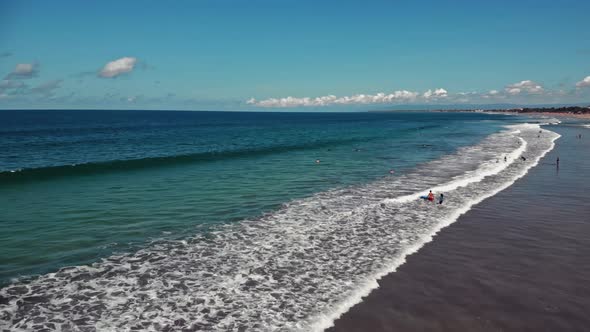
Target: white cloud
<point x="23" y="68"/>
<point x="437" y="93"/>
<point x="401" y="95"/>
<point x="23" y="71"/>
<point x="526" y="86"/>
<point x="492" y="94"/>
<point x="513" y="91"/>
<point x="584" y="83"/>
<point x="118" y="67"/>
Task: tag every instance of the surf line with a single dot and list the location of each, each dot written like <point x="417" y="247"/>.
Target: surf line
<point x="468" y="178"/>
<point x="260" y="264"/>
<point x="324" y="320"/>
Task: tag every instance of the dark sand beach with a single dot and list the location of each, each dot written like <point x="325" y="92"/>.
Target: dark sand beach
<point x="519" y="261"/>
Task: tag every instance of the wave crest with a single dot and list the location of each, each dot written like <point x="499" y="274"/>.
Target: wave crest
<point x="298" y="268"/>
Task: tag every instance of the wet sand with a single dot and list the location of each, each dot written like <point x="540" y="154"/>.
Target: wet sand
<point x="519" y="261"/>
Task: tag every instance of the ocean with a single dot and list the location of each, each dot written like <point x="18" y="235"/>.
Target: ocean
<point x="120" y="220"/>
<point x="517" y="262"/>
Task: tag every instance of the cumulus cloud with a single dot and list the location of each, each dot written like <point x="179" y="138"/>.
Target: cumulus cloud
<point x="522" y="91"/>
<point x="118" y="67"/>
<point x="583" y="83"/>
<point x="401" y="95"/>
<point x="23" y="71"/>
<point x="437" y="93"/>
<point x="492" y="94"/>
<point x="526" y="86"/>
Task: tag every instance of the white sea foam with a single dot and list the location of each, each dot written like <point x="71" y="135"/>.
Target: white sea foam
<point x="326" y="320"/>
<point x="550" y="121"/>
<point x="296" y="269"/>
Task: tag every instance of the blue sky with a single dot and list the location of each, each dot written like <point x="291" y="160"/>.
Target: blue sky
<point x="243" y="55"/>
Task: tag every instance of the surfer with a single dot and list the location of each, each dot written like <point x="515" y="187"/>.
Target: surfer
<point x="441" y="198"/>
<point x="430" y="196"/>
<point x="557" y="162"/>
<point x="505" y="159"/>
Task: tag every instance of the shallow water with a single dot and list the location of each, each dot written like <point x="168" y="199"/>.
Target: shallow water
<point x="516" y="262"/>
<point x="87" y="184"/>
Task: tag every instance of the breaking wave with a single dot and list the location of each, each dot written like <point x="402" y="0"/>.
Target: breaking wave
<point x="296" y="269"/>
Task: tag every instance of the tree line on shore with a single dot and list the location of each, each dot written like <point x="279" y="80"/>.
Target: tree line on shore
<point x="564" y="109"/>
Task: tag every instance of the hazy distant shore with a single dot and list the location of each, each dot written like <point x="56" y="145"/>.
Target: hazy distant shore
<point x="579" y="114"/>
<point x="570" y="112"/>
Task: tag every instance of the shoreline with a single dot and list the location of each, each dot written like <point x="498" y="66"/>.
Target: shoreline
<point x="505" y="265"/>
<point x="345" y="248"/>
<point x="418" y="221"/>
<point x="575" y="112"/>
<point x="509" y="112"/>
<point x="556" y="114"/>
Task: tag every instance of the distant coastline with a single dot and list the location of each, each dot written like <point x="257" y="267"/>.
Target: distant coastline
<point x="567" y="111"/>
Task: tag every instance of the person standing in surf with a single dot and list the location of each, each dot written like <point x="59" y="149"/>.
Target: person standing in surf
<point x="430" y="196"/>
<point x="441" y="198"/>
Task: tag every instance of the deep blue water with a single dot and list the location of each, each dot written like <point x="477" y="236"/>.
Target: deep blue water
<point x="76" y="186"/>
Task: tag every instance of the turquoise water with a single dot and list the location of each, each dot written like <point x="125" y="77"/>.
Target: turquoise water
<point x="76" y="186"/>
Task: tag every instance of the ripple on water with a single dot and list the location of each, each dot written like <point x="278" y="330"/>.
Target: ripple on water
<point x="297" y="268"/>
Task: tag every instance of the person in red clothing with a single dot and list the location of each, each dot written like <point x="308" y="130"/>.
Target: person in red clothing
<point x="431" y="196"/>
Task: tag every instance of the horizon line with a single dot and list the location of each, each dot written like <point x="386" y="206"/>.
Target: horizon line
<point x="334" y="109"/>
